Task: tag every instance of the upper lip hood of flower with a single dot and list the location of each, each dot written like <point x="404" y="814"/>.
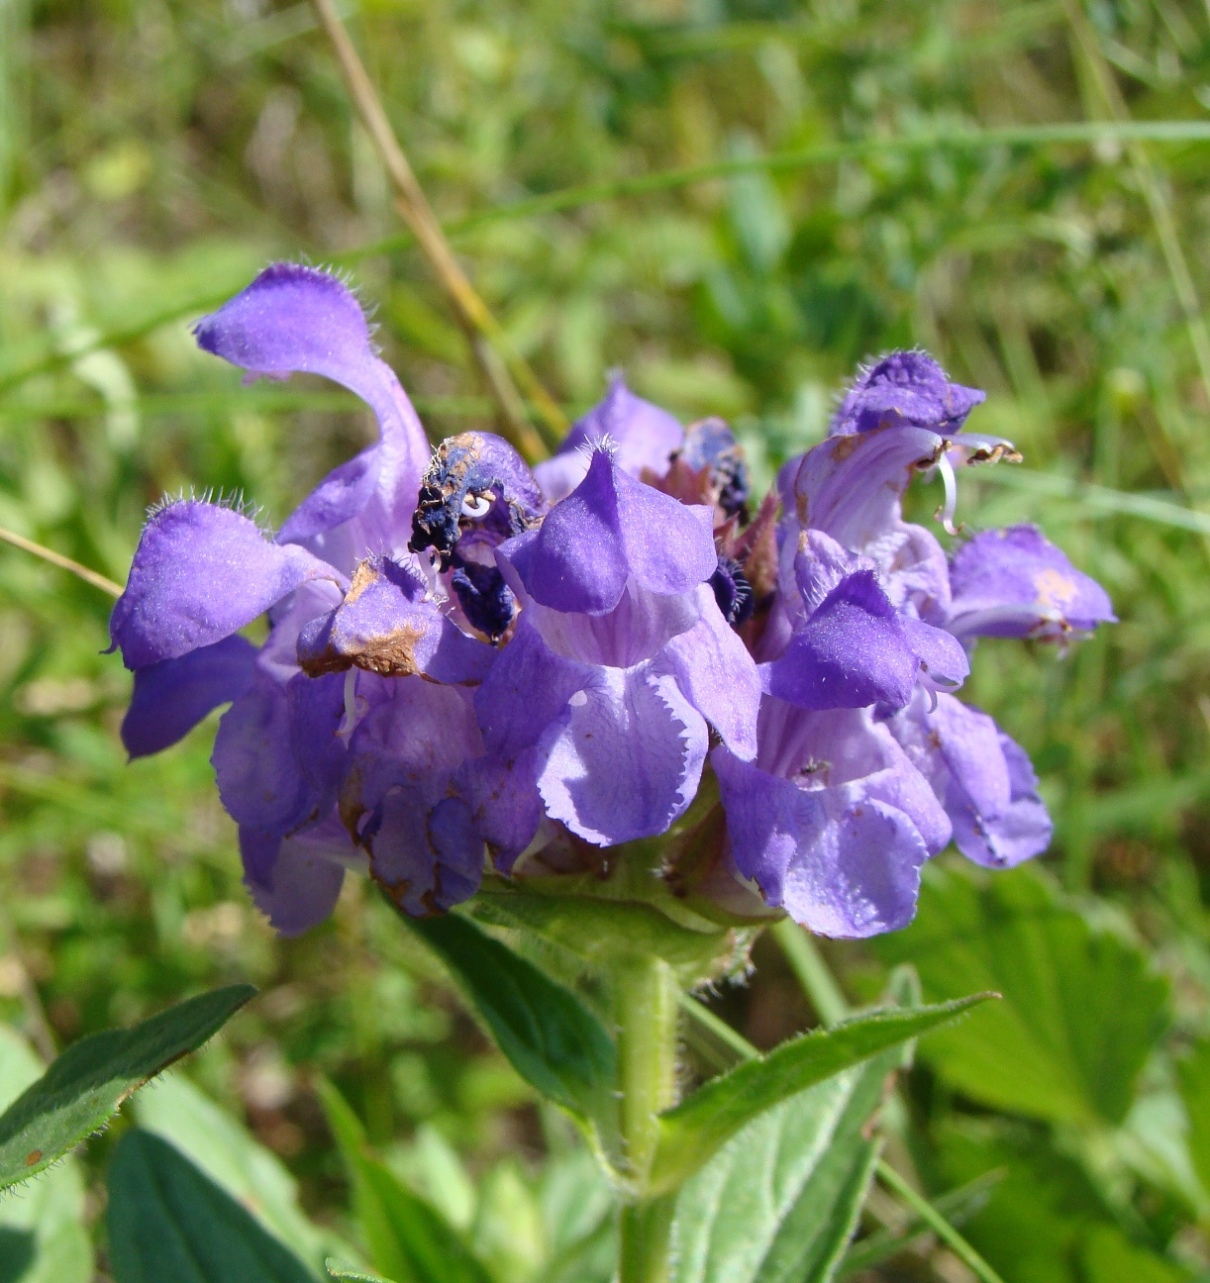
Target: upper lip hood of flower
<point x="904" y="389"/>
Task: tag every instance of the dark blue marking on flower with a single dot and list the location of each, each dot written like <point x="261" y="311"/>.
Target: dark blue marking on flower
<point x="733" y="592"/>
<point x="711" y="444"/>
<point x="485" y="598"/>
<point x="475" y="482"/>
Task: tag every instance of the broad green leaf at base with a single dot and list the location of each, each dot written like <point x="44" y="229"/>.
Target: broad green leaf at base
<point x="86" y="1085"/>
<point x="169" y="1223"/>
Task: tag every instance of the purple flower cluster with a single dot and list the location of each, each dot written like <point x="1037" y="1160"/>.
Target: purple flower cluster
<point x="467" y="661"/>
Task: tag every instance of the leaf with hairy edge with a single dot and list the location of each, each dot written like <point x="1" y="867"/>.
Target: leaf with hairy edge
<point x="345" y="1275"/>
<point x="780" y="1201"/>
<point x="43" y="1234"/>
<point x="168" y="1221"/>
<point x="406" y="1237"/>
<point x="86" y="1085"/>
<point x="553" y="1041"/>
<point x="695" y="1130"/>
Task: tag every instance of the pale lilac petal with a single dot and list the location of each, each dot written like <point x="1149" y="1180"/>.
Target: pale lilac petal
<point x="386" y="626"/>
<point x="170" y="698"/>
<point x="853" y="651"/>
<point x="296" y="881"/>
<point x="840" y="863"/>
<point x="1016" y="583"/>
<point x="850" y="486"/>
<point x="718" y="676"/>
<point x="625" y="759"/>
<point x="643" y="437"/>
<point x="527" y="688"/>
<point x="637" y="628"/>
<point x="202" y="572"/>
<point x="338" y="498"/>
<point x="1020" y="831"/>
<point x="982" y="777"/>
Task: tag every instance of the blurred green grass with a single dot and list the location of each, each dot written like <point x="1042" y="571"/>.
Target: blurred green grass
<point x="154" y="154"/>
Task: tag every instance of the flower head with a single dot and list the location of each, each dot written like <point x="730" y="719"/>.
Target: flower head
<point x="470" y="664"/>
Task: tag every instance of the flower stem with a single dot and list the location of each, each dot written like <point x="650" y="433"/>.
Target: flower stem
<point x="646" y="1006"/>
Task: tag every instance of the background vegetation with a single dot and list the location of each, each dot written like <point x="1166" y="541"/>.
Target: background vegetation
<point x="154" y="154"/>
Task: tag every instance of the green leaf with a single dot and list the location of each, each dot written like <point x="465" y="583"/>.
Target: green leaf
<point x="167" y="1220"/>
<point x="86" y="1085"/>
<point x="223" y="1150"/>
<point x="1108" y="1256"/>
<point x="406" y="1237"/>
<point x="553" y="1041"/>
<point x="342" y="1273"/>
<point x="779" y="1203"/>
<point x="695" y="1130"/>
<point x="1081" y="1010"/>
<point x="42" y="1234"/>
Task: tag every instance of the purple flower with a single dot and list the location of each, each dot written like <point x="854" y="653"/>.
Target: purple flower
<point x="1016" y="583"/>
<point x="621" y="659"/>
<point x="982" y="777"/>
<point x="904" y="389"/>
<point x="831" y="821"/>
<point x="642" y="436"/>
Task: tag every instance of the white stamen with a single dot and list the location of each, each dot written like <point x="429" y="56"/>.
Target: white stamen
<point x="945" y="514"/>
<point x="476" y="506"/>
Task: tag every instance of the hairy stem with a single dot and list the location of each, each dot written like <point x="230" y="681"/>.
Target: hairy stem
<point x="647" y="1006"/>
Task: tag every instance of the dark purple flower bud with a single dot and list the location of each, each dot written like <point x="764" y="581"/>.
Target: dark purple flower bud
<point x="642" y="437"/>
<point x="1016" y="583"/>
<point x="486" y="600"/>
<point x="476" y="487"/>
<point x="711" y="445"/>
<point x="904" y="389"/>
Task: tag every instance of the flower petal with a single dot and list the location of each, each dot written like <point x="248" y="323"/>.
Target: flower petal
<point x="852" y="652"/>
<point x="202" y="572"/>
<point x="170" y="698"/>
<point x="297" y="879"/>
<point x="905" y="389"/>
<point x="526" y="690"/>
<point x="1016" y="583"/>
<point x="300" y="319"/>
<point x="625" y="759"/>
<point x="643" y="438"/>
<point x="612" y="527"/>
<point x="385" y="626"/>
<point x="715" y="671"/>
<point x="840" y="863"/>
